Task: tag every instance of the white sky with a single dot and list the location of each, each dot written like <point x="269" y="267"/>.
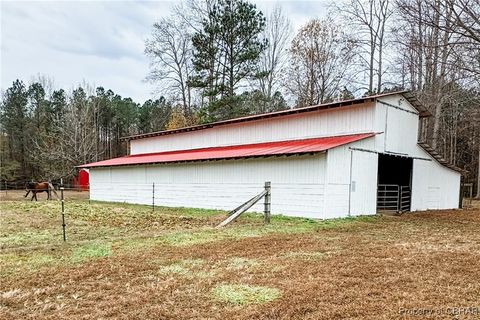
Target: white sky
<point x="96" y="42"/>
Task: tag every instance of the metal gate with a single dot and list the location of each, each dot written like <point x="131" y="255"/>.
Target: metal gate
<point x="393" y="198"/>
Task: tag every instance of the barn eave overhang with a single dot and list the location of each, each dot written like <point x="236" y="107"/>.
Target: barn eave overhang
<point x="210" y="160"/>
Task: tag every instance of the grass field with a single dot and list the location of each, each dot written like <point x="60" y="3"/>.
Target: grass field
<point x="126" y="262"/>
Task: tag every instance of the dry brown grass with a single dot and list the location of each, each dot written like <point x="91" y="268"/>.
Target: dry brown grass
<point x="364" y="269"/>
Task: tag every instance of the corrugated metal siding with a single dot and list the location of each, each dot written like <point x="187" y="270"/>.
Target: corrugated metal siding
<point x="337" y="183"/>
<point x="400" y="128"/>
<point x="297" y="184"/>
<point x="401" y="131"/>
<point x="338" y="179"/>
<point x="349" y="120"/>
<point x="433" y="185"/>
<point x="363" y="198"/>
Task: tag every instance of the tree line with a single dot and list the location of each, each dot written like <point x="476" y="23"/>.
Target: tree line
<point x="46" y="134"/>
<point x="212" y="60"/>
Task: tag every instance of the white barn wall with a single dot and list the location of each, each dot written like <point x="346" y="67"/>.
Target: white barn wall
<point x="364" y="173"/>
<point x="434" y="186"/>
<point x="340" y="174"/>
<point x="297" y="184"/>
<point x="337" y="183"/>
<point x="347" y="120"/>
<point x="398" y="129"/>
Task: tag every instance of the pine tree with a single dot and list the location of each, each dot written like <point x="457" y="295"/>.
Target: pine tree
<point x="226" y="53"/>
<point x="14" y="121"/>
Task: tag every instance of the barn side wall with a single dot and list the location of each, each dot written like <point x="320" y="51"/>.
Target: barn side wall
<point x="434" y="186"/>
<point x="297" y="184"/>
<point x="347" y="120"/>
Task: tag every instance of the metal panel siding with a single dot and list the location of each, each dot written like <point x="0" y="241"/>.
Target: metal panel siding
<point x="400" y="128"/>
<point x="401" y="131"/>
<point x="398" y="100"/>
<point x="433" y="185"/>
<point x="380" y="127"/>
<point x="348" y="120"/>
<point x="338" y="178"/>
<point x="297" y="184"/>
<point x="98" y="178"/>
<point x="337" y="183"/>
<point x="363" y="198"/>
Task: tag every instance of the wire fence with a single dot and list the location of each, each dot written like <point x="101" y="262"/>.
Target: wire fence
<point x="301" y="199"/>
<point x="466" y="195"/>
<point x="21" y="185"/>
<point x="286" y="198"/>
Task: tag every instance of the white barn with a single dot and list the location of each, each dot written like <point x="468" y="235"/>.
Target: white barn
<point x="334" y="160"/>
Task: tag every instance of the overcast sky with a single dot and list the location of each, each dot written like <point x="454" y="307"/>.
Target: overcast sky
<point x="96" y="42"/>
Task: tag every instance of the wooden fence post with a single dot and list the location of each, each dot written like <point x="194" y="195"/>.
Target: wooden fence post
<point x="153" y="196"/>
<point x="267" y="203"/>
<point x="63" y="210"/>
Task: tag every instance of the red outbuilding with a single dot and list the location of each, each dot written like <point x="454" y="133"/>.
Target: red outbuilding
<point x="82" y="180"/>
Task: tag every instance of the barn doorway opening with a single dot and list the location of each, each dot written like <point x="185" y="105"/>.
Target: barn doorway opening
<point x="394" y="183"/>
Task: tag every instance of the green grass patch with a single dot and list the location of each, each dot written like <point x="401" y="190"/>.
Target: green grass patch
<point x="91" y="251"/>
<point x="188" y="238"/>
<point x="105" y="213"/>
<point x="29" y="238"/>
<point x="184" y="267"/>
<point x="11" y="263"/>
<point x="344" y="222"/>
<point x="280" y="224"/>
<point x="134" y="228"/>
<point x="240" y="294"/>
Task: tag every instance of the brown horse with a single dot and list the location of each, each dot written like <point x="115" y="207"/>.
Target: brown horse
<point x="36" y="187"/>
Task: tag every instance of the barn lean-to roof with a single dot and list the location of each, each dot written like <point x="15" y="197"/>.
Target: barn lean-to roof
<point x="422" y="111"/>
<point x="256" y="150"/>
<point x="434" y="154"/>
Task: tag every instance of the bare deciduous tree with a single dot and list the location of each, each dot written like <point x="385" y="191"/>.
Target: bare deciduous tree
<point x="170" y="51"/>
<point x="438" y="54"/>
<point x="274" y="59"/>
<point x="427" y="53"/>
<point x="321" y="55"/>
<point x="369" y="19"/>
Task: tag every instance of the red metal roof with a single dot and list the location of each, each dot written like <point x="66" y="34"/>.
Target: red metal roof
<point x="233" y="152"/>
<point x="332" y="105"/>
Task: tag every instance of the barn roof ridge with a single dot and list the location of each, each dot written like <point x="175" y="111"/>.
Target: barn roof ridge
<point x="423" y="112"/>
